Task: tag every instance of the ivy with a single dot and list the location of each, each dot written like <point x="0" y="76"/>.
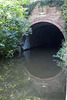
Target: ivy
<point x="52" y="3"/>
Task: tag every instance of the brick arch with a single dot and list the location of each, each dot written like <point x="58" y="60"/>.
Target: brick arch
<point x="34" y="21"/>
<point x="48" y="21"/>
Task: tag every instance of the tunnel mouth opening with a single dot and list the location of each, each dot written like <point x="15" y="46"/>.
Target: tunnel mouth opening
<point x="45" y="41"/>
<point x="46" y="35"/>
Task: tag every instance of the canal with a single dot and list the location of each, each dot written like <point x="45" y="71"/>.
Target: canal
<point x="33" y="76"/>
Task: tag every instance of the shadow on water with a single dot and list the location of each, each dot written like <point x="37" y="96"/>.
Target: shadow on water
<point x="35" y="76"/>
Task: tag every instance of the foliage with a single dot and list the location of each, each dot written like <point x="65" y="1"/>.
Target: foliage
<point x="62" y="53"/>
<point x="31" y="7"/>
<point x="24" y="3"/>
<point x="65" y="20"/>
<point x="51" y="2"/>
<point x="12" y="25"/>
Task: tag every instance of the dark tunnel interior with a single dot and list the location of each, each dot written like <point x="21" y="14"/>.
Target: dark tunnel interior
<point x="45" y="35"/>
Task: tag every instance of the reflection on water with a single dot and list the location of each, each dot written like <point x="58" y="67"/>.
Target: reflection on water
<point x="41" y="63"/>
<point x="35" y="76"/>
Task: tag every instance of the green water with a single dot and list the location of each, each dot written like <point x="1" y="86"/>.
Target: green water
<point x="34" y="76"/>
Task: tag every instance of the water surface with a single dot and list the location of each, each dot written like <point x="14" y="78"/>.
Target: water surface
<point x="35" y="76"/>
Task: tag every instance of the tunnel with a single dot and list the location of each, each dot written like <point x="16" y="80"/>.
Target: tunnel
<point x="45" y="35"/>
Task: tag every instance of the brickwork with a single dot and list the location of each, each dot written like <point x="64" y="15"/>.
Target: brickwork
<point x="49" y="14"/>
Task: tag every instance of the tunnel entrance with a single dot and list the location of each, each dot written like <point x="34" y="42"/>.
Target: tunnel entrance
<point x="41" y="64"/>
<point x="45" y="35"/>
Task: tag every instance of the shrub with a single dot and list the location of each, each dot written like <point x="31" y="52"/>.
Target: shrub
<point x="12" y="25"/>
<point x="62" y="53"/>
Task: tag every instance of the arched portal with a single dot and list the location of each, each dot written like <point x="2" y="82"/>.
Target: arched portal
<point x="45" y="34"/>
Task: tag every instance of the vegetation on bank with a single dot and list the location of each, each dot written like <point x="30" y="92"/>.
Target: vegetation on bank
<point x="62" y="53"/>
<point x="52" y="3"/>
<point x="13" y="24"/>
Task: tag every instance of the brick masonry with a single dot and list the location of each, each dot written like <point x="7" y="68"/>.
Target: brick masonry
<point x="50" y="14"/>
